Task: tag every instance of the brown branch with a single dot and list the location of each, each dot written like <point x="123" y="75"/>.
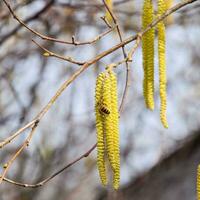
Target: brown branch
<point x="130" y="54"/>
<point x="9" y="139"/>
<point x="84" y="67"/>
<point x="119" y="31"/>
<point x="44" y="37"/>
<point x="19" y="151"/>
<point x="49" y="53"/>
<point x="31" y="18"/>
<point x="80" y="6"/>
<point x="43" y="182"/>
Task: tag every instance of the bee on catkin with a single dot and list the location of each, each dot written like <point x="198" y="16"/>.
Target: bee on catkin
<point x="106" y="97"/>
<point x="104" y="109"/>
<point x="162" y="64"/>
<point x="148" y="54"/>
<point x="198" y="183"/>
<point x="107" y="125"/>
<point x="100" y="130"/>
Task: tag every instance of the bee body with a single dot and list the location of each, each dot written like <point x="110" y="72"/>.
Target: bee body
<point x="104" y="110"/>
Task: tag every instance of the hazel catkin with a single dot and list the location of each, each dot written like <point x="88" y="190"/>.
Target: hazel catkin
<point x="107" y="125"/>
<point x="148" y="54"/>
<point x="100" y="131"/>
<point x="162" y="64"/>
<point x="115" y="120"/>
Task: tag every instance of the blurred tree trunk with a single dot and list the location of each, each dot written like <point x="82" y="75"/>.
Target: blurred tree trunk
<point x="174" y="178"/>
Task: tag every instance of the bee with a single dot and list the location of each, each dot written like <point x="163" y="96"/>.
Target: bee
<point x="103" y="109"/>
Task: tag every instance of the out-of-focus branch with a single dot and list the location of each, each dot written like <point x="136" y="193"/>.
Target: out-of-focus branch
<point x="44" y="37"/>
<point x="37" y="119"/>
<point x="43" y="182"/>
<point x="18" y="132"/>
<point x="49" y="53"/>
<point x="119" y="31"/>
<point x="24" y="145"/>
<point x="29" y="19"/>
<point x="80" y="6"/>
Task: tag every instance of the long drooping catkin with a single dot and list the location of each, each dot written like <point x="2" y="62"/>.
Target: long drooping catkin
<point x="162" y="64"/>
<point x="107" y="125"/>
<point x="148" y="54"/>
<point x="108" y="120"/>
<point x="115" y="127"/>
<point x="198" y="183"/>
<point x="100" y="130"/>
<point x="108" y="16"/>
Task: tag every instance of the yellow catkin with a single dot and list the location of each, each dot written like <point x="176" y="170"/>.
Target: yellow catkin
<point x="107" y="125"/>
<point x="108" y="121"/>
<point x="148" y="54"/>
<point x="169" y="4"/>
<point x="198" y="183"/>
<point x="100" y="131"/>
<point x="115" y="129"/>
<point x="108" y="16"/>
<point x="162" y="64"/>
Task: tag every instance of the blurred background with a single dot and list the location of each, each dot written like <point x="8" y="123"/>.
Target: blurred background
<point x="155" y="163"/>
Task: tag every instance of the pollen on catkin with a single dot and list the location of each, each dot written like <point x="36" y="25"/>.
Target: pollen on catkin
<point x="107" y="125"/>
<point x="100" y="130"/>
<point x="198" y="183"/>
<point x="162" y="64"/>
<point x="108" y="16"/>
<point x="108" y="120"/>
<point x="115" y="120"/>
<point x="148" y="54"/>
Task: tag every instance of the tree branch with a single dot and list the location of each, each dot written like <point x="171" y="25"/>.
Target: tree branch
<point x="31" y="18"/>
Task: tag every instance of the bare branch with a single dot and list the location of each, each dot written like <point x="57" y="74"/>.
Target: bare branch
<point x="44" y="37"/>
<point x="19" y="151"/>
<point x="48" y="53"/>
<point x="43" y="182"/>
<point x="9" y="139"/>
<point x="31" y="18"/>
<point x="119" y="31"/>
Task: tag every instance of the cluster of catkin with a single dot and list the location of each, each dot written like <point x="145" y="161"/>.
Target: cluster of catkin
<point x="148" y="58"/>
<point x="107" y="125"/>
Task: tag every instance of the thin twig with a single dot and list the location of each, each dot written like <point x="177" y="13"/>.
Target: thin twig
<point x="29" y="19"/>
<point x="9" y="139"/>
<point x="44" y="37"/>
<point x="43" y="182"/>
<point x="119" y="31"/>
<point x="49" y="53"/>
<point x="19" y="151"/>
